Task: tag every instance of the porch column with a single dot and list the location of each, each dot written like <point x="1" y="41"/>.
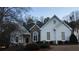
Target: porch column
<point x="55" y="36"/>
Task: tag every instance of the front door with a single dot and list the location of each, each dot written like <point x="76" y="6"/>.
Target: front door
<point x="27" y="39"/>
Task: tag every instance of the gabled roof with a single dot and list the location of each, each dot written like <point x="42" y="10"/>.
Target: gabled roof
<point x="21" y="28"/>
<point x="34" y="25"/>
<point x="28" y="26"/>
<point x="31" y="25"/>
<point x="63" y="22"/>
<point x="59" y="21"/>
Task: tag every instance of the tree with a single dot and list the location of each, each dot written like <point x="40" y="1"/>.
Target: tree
<point x="42" y="19"/>
<point x="73" y="18"/>
<point x="30" y="20"/>
<point x="11" y="12"/>
<point x="72" y="24"/>
<point x="7" y="28"/>
<point x="46" y="19"/>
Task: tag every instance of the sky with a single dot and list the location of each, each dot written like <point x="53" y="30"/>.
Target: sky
<point x="50" y="11"/>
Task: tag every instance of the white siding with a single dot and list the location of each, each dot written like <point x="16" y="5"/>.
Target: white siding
<point x="63" y="28"/>
<point x="50" y="26"/>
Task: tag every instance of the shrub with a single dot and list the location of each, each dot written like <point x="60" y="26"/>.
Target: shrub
<point x="4" y="44"/>
<point x="60" y="42"/>
<point x="32" y="46"/>
<point x="51" y="42"/>
<point x="73" y="39"/>
<point x="19" y="48"/>
<point x="66" y="42"/>
<point x="44" y="45"/>
<point x="40" y="42"/>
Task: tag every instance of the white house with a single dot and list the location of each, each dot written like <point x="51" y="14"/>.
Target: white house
<point x="55" y="30"/>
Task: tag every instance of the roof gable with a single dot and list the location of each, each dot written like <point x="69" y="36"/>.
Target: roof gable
<point x="28" y="26"/>
<point x="34" y="26"/>
<point x="59" y="21"/>
<point x="62" y="22"/>
<point x="21" y="29"/>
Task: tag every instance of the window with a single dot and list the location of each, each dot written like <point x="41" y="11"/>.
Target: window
<point x="16" y="39"/>
<point x="63" y="35"/>
<point x="48" y="35"/>
<point x="35" y="36"/>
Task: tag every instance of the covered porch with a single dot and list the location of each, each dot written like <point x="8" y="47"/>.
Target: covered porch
<point x="27" y="38"/>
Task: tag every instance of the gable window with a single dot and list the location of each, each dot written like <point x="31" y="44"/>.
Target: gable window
<point x="48" y="35"/>
<point x="35" y="36"/>
<point x="63" y="35"/>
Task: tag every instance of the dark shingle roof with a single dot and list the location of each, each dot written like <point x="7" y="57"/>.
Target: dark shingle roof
<point x="28" y="26"/>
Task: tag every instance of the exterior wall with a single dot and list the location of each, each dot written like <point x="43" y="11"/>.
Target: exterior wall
<point x="64" y="29"/>
<point x="21" y="38"/>
<point x="13" y="37"/>
<point x="50" y="28"/>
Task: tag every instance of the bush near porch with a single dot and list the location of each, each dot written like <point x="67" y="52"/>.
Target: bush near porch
<point x="44" y="44"/>
<point x="32" y="47"/>
<point x="37" y="46"/>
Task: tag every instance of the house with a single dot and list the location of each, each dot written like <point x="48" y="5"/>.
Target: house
<point x="55" y="30"/>
<point x="20" y="36"/>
